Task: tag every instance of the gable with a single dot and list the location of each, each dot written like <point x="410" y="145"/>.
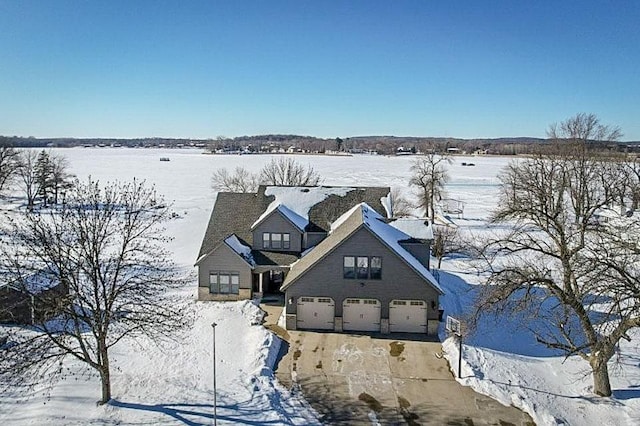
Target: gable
<point x="283" y="212"/>
<point x="361" y="219"/>
<point x="225" y="257"/>
<point x="326" y="271"/>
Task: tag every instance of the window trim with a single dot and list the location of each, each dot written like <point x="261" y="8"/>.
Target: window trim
<point x="276" y="240"/>
<point x="349" y="272"/>
<point x="232" y="285"/>
<point x="356" y="272"/>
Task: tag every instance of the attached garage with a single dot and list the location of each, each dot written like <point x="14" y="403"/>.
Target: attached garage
<point x="315" y="313"/>
<point x="361" y="315"/>
<point x="408" y="316"/>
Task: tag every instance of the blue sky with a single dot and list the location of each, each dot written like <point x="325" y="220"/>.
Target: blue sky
<point x="322" y="68"/>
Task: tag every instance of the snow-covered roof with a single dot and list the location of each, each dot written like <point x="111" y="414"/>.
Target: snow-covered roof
<point x="242" y="250"/>
<point x="293" y="217"/>
<point x="34" y="284"/>
<point x="298" y="200"/>
<point x="416" y="228"/>
<point x="392" y="237"/>
<point x="386" y="203"/>
<point x="340" y="220"/>
<point x="341" y="228"/>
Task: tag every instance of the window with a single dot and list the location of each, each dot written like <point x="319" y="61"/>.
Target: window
<point x="362" y="267"/>
<point x="376" y="268"/>
<point x="349" y="267"/>
<point x="224" y="282"/>
<point x="213" y="283"/>
<point x="276" y="240"/>
<point x="362" y="271"/>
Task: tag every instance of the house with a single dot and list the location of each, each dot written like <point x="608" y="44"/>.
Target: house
<point x="366" y="275"/>
<point x="253" y="238"/>
<point x="329" y="249"/>
<point x="29" y="303"/>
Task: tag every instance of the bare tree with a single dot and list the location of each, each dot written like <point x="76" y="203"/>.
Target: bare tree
<point x="28" y="175"/>
<point x="60" y="179"/>
<point x="633" y="167"/>
<point x="429" y="176"/>
<point x="8" y="164"/>
<point x="283" y="171"/>
<point x="576" y="276"/>
<point x="400" y="205"/>
<point x="446" y="241"/>
<point x="287" y="171"/>
<point x="241" y="180"/>
<point x="105" y="245"/>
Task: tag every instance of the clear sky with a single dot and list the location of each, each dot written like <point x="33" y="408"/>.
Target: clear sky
<point x="322" y="68"/>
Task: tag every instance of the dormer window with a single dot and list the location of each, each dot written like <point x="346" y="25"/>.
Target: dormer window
<point x="276" y="240"/>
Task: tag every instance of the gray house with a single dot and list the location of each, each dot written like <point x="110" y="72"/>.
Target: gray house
<point x="341" y="264"/>
<point x="253" y="238"/>
<point x="365" y="276"/>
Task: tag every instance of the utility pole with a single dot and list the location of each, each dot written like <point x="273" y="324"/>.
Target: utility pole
<point x="215" y="402"/>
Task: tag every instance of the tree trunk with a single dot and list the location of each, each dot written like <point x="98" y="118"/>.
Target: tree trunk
<point x="105" y="378"/>
<point x="105" y="374"/>
<point x="601" y="385"/>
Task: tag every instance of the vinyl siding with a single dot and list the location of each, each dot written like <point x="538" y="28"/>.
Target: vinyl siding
<point x="399" y="280"/>
<point x="223" y="259"/>
<point x="278" y="224"/>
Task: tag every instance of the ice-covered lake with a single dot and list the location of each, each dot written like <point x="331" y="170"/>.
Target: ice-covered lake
<point x="186" y="179"/>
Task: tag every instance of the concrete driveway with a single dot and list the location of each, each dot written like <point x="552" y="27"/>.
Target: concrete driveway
<point x="355" y="379"/>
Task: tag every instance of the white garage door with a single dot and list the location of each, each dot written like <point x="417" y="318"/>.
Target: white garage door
<point x="408" y="316"/>
<point x="361" y="315"/>
<point x="315" y="313"/>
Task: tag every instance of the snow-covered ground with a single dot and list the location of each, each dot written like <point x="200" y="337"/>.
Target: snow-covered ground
<point x="174" y="383"/>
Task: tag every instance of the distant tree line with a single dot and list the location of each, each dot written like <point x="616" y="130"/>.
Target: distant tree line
<point x="384" y="145"/>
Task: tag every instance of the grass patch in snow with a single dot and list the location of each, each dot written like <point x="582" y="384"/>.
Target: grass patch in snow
<point x="396" y="348"/>
<point x="371" y="402"/>
<point x="408" y="416"/>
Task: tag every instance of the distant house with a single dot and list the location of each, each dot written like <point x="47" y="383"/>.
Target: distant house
<point x="30" y="303"/>
<point x="341" y="264"/>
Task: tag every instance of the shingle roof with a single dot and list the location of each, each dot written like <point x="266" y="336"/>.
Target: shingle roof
<point x="360" y="216"/>
<point x="235" y="213"/>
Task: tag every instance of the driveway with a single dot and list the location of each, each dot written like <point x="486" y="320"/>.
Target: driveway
<point x="355" y="379"/>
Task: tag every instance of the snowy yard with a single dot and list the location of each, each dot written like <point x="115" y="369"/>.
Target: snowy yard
<point x="174" y="383"/>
